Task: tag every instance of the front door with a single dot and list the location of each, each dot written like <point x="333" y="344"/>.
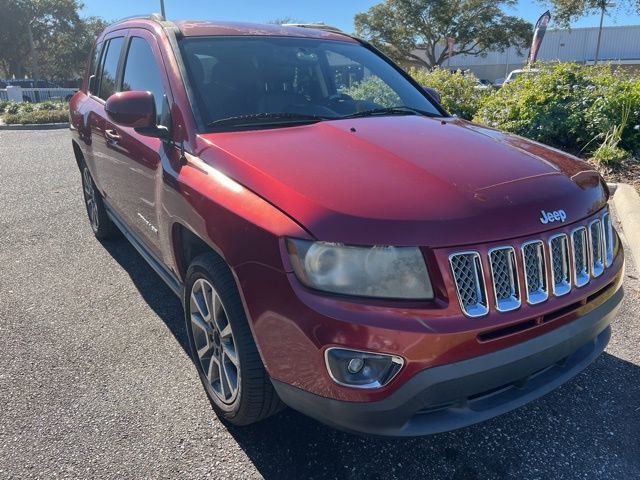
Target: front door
<point x="138" y="157"/>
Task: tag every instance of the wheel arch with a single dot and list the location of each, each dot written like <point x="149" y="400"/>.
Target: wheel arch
<point x="187" y="245"/>
<point x="77" y="153"/>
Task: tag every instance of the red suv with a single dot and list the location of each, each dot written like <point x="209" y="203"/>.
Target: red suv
<point x="340" y="243"/>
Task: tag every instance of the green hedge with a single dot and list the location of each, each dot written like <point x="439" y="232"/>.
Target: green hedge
<point x="573" y="107"/>
<point x="460" y="93"/>
<point x="26" y="107"/>
<point x="41" y="116"/>
<point x="43" y="112"/>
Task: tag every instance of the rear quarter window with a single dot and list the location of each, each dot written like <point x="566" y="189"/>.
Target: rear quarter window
<point x="93" y="65"/>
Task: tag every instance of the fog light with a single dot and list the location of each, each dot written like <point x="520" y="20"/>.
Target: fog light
<point x="355" y="365"/>
<point x="354" y="368"/>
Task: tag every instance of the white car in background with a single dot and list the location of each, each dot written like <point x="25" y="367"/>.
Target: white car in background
<point x="519" y="73"/>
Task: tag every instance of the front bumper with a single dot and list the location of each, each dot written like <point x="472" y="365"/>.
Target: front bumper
<point x="458" y="394"/>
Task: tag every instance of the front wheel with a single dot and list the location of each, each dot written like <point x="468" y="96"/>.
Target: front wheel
<point x="222" y="345"/>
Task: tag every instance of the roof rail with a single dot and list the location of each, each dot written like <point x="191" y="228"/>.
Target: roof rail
<point x="156" y="17"/>
<point x="317" y="26"/>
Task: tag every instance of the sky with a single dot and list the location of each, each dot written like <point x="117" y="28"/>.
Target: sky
<point x="338" y="13"/>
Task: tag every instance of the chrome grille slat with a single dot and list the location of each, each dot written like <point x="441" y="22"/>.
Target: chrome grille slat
<point x="574" y="259"/>
<point x="536" y="272"/>
<point x="469" y="278"/>
<point x="597" y="257"/>
<point x="609" y="239"/>
<point x="580" y="257"/>
<point x="505" y="278"/>
<point x="560" y="268"/>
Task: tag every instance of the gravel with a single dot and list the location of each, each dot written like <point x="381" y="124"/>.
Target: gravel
<point x="95" y="379"/>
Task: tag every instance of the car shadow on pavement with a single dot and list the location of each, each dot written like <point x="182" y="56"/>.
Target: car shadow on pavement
<point x="587" y="425"/>
<point x="590" y="422"/>
<point x="153" y="290"/>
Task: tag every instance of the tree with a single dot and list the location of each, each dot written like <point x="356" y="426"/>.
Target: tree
<point x="45" y="37"/>
<point x="566" y="11"/>
<point x="66" y="52"/>
<point x="400" y="27"/>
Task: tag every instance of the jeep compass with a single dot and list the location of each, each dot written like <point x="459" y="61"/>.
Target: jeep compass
<point x="340" y="243"/>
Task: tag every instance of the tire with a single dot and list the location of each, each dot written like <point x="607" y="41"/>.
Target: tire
<point x="222" y="345"/>
<point x="102" y="226"/>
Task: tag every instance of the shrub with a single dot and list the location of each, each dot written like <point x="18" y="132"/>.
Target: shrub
<point x="12" y="108"/>
<point x="50" y="105"/>
<point x="607" y="154"/>
<point x="373" y="89"/>
<point x="26" y="107"/>
<point x="459" y="92"/>
<point x="53" y="116"/>
<point x="3" y="105"/>
<point x="570" y="106"/>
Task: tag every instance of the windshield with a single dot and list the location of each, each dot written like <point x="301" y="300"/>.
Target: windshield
<point x="284" y="81"/>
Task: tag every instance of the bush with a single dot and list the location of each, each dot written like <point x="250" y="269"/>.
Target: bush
<point x="45" y="112"/>
<point x="570" y="106"/>
<point x="12" y="108"/>
<point x="459" y="92"/>
<point x="50" y="105"/>
<point x="43" y="116"/>
<point x="373" y="89"/>
<point x="607" y="154"/>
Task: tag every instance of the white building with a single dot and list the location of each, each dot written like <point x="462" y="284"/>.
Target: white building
<point x="619" y="45"/>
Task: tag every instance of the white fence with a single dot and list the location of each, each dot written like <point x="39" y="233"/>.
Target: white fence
<point x="36" y="95"/>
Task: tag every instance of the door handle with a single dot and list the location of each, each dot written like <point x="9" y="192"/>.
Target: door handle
<point x="112" y="136"/>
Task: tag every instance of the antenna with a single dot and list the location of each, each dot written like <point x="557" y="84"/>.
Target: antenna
<point x="164" y="16"/>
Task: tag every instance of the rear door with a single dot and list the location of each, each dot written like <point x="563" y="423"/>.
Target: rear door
<point x="105" y="165"/>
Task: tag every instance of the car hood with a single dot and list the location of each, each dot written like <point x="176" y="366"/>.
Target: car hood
<point x="407" y="180"/>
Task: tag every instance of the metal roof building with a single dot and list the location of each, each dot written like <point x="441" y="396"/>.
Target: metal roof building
<point x="619" y="45"/>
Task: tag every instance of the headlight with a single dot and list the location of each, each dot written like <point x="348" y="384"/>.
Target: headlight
<point x="382" y="272"/>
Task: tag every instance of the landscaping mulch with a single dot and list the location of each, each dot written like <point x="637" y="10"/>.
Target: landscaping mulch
<point x="624" y="172"/>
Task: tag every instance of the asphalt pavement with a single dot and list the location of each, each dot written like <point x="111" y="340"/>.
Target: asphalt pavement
<point x="95" y="380"/>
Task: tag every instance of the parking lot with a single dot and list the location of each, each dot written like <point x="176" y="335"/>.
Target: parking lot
<point x="95" y="379"/>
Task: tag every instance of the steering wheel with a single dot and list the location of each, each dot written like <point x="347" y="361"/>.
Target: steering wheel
<point x="337" y="98"/>
<point x="339" y="102"/>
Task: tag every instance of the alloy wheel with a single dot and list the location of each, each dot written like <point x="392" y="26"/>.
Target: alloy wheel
<point x="214" y="341"/>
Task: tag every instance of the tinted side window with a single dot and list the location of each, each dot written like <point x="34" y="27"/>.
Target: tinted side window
<point x="110" y="68"/>
<point x="142" y="73"/>
<point x="95" y="58"/>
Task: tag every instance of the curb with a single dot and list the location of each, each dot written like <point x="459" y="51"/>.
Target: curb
<point x="627" y="204"/>
<point x="35" y="126"/>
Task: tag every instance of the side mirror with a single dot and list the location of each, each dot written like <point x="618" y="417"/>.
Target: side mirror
<point x="433" y="92"/>
<point x="135" y="109"/>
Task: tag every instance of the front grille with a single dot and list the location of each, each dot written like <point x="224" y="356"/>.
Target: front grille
<point x="505" y="278"/>
<point x="580" y="256"/>
<point x="469" y="278"/>
<point x="536" y="272"/>
<point x="559" y="248"/>
<point x="595" y="232"/>
<point x="572" y="260"/>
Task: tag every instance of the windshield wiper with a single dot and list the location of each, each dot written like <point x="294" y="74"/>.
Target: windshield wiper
<point x="402" y="110"/>
<point x="257" y="119"/>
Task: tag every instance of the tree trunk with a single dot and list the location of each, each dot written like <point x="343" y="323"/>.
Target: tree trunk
<point x="35" y="70"/>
